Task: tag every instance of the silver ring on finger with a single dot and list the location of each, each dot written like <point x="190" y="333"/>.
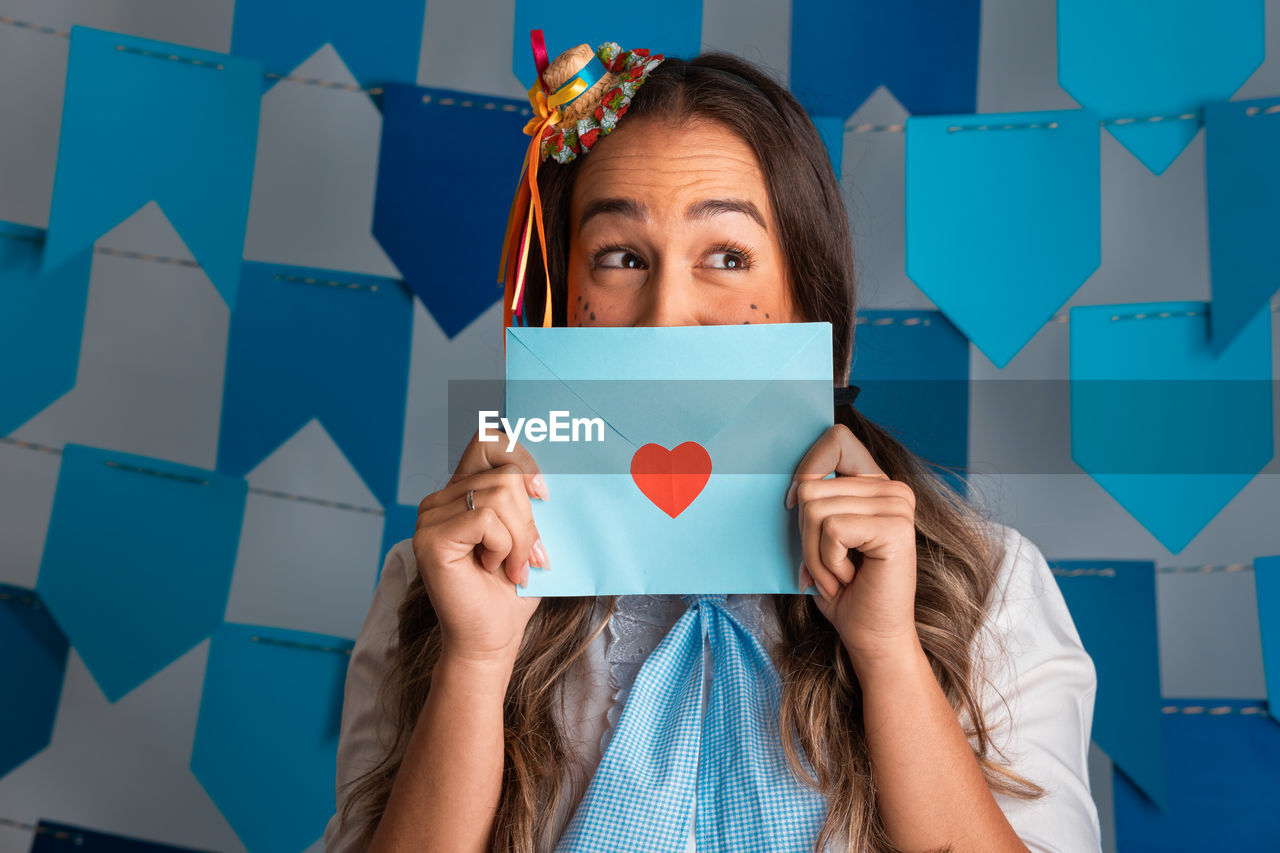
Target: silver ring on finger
<point x="471" y="498"/>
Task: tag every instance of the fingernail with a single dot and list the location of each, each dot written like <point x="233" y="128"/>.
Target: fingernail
<point x="524" y="576"/>
<point x="540" y="555"/>
<point x="791" y="496"/>
<point x="540" y="486"/>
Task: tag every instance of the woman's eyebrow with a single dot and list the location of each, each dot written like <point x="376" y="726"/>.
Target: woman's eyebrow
<point x="715" y="206"/>
<point x="626" y="207"/>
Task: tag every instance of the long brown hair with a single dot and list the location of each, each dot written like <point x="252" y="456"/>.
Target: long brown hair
<point x="957" y="557"/>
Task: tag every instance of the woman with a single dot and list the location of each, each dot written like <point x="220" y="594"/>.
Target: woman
<point x="935" y="685"/>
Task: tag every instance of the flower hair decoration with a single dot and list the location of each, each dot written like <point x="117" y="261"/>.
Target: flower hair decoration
<point x="578" y="97"/>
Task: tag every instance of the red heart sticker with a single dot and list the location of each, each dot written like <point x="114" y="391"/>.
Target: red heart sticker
<point x="672" y="479"/>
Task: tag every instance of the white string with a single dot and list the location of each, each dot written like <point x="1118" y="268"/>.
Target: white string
<point x="292" y="78"/>
<point x="1110" y="572"/>
<point x="1100" y="571"/>
<point x="189" y="262"/>
<point x="1215" y="710"/>
<point x="849" y="125"/>
<point x="255" y="490"/>
<point x="1083" y="573"/>
<point x="59" y="834"/>
<point x="861" y="319"/>
<point x="293" y="644"/>
<point x="1197" y="116"/>
<point x="1060" y="317"/>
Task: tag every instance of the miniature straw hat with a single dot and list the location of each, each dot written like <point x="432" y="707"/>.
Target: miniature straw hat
<point x="564" y="67"/>
<point x="612" y="76"/>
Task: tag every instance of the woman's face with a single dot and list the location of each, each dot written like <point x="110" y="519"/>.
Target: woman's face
<point x="670" y="225"/>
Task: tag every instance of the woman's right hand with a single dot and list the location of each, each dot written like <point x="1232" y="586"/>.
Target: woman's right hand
<point x="471" y="560"/>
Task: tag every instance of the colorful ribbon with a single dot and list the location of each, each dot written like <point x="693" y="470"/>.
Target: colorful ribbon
<point x="540" y="61"/>
<point x="526" y="208"/>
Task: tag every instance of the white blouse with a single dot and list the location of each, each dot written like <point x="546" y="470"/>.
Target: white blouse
<point x="1038" y="693"/>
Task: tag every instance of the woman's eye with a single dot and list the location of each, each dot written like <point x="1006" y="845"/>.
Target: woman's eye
<point x="619" y="259"/>
<point x="728" y="261"/>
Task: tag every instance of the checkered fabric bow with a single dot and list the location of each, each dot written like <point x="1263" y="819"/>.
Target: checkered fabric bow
<point x="668" y="762"/>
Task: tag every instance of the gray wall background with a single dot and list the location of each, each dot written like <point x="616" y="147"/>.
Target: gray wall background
<point x="150" y="381"/>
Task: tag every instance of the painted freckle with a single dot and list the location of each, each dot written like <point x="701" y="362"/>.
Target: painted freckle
<point x="753" y="307"/>
<point x="586" y="305"/>
<point x="593" y="315"/>
<point x="766" y="316"/>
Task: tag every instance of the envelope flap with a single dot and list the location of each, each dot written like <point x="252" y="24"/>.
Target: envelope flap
<point x="745" y="352"/>
<point x="669" y="384"/>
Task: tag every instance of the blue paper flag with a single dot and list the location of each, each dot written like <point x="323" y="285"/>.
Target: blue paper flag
<point x="1170" y="430"/>
<point x="1223" y="784"/>
<point x="139" y="126"/>
<point x="53" y="837"/>
<point x="379" y="45"/>
<point x="41" y="323"/>
<point x="1243" y="198"/>
<point x="401" y="522"/>
<point x="436" y="146"/>
<point x="1003" y="219"/>
<point x="31" y="668"/>
<point x="138" y="559"/>
<point x="307" y="343"/>
<point x="1113" y="605"/>
<point x="1127" y="59"/>
<point x="924" y="51"/>
<point x="268" y="723"/>
<point x="669" y="27"/>
<point x="1266" y="577"/>
<point x="912" y="369"/>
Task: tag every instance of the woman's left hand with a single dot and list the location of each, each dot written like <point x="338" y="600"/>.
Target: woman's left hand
<point x="858" y="540"/>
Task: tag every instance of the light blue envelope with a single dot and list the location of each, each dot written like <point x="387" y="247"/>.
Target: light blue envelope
<point x="754" y="397"/>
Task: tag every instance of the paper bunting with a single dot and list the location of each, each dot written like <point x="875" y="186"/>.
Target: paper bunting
<point x="138" y="560"/>
<point x="41" y="322"/>
<point x="1243" y="199"/>
<point x="1128" y="59"/>
<point x="1266" y="577"/>
<point x="139" y="126"/>
<point x="924" y="51"/>
<point x="1002" y="219"/>
<point x="669" y="27"/>
<point x="442" y="198"/>
<point x="1113" y="606"/>
<point x="913" y="371"/>
<point x="269" y="721"/>
<point x="1168" y="429"/>
<point x="1223" y="784"/>
<point x="378" y="47"/>
<point x="53" y="837"/>
<point x="308" y="343"/>
<point x="31" y="668"/>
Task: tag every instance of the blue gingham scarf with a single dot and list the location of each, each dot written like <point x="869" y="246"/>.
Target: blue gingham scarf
<point x="665" y="755"/>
